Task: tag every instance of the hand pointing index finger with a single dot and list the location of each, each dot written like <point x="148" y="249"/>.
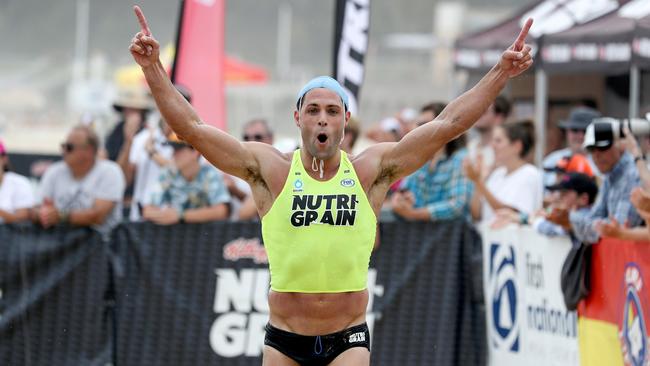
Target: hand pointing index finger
<point x="521" y="38"/>
<point x="142" y="20"/>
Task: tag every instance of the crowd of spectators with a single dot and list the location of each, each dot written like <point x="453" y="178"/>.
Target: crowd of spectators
<point x="596" y="186"/>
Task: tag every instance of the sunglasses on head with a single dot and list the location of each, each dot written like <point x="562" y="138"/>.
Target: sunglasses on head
<point x="254" y="137"/>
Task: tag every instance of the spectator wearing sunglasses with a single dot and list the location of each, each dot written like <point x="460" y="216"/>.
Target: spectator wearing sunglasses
<point x="16" y="195"/>
<point x="574" y="129"/>
<point x="81" y="190"/>
<point x="258" y="130"/>
<point x="620" y="177"/>
<point x="243" y="206"/>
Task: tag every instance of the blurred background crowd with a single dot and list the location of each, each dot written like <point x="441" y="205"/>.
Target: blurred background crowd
<point x="78" y="95"/>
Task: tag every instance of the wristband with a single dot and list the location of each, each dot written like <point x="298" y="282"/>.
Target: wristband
<point x="523" y="218"/>
<point x="181" y="217"/>
<point x="637" y="158"/>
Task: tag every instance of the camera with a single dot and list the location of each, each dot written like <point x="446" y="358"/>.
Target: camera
<point x="604" y="131"/>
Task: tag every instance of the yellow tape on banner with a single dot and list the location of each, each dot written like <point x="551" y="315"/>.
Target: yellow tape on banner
<point x="599" y="343"/>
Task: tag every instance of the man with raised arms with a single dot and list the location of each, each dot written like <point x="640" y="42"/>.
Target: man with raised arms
<point x="318" y="205"/>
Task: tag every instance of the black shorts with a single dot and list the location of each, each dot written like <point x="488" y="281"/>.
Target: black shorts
<point x="316" y="350"/>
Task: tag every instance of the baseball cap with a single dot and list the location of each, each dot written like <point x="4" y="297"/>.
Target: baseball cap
<point x="325" y="82"/>
<point x="600" y="133"/>
<point x="579" y="118"/>
<point x="577" y="182"/>
<point x="176" y="142"/>
<point x="576" y="163"/>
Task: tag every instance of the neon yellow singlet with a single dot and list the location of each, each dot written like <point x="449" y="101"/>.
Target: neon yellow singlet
<point x="319" y="235"/>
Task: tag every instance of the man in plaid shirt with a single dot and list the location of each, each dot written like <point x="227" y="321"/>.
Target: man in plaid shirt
<point x="438" y="190"/>
<point x="620" y="176"/>
<point x="187" y="192"/>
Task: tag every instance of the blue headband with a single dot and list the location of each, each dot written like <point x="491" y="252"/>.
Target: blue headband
<point x="323" y="82"/>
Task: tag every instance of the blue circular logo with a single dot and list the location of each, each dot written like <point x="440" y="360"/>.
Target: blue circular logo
<point x="297" y="184"/>
<point x="502" y="304"/>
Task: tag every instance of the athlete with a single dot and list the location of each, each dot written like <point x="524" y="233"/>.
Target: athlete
<point x="318" y="205"/>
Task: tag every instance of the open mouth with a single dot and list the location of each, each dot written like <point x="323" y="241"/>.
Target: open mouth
<point x="322" y="138"/>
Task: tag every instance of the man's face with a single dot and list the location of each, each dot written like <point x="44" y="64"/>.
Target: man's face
<point x="321" y="120"/>
<point x="605" y="158"/>
<point x="575" y="138"/>
<point x="504" y="149"/>
<point x="76" y="149"/>
<point x="568" y="198"/>
<point x="132" y="113"/>
<point x="257" y="132"/>
<point x="488" y="119"/>
<point x="184" y="156"/>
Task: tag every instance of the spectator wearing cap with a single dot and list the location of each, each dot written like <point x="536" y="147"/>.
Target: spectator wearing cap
<point x="16" y="195"/>
<point x="81" y="190"/>
<point x="577" y="192"/>
<point x="574" y="128"/>
<point x="143" y="157"/>
<point x="620" y="176"/>
<point x="187" y="191"/>
<point x="640" y="197"/>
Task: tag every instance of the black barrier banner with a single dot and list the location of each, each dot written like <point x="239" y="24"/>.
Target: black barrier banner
<point x="52" y="289"/>
<point x="197" y="295"/>
<point x="192" y="294"/>
<point x="351" y="29"/>
<point x="432" y="307"/>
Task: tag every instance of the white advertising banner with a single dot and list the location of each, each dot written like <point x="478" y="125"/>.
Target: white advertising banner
<point x="527" y="321"/>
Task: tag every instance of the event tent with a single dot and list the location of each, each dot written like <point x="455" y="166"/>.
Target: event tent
<point x="479" y="51"/>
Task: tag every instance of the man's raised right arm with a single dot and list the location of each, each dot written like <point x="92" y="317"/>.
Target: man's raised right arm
<point x="224" y="151"/>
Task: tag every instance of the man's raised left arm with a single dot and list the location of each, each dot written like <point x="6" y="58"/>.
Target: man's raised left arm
<point x="418" y="146"/>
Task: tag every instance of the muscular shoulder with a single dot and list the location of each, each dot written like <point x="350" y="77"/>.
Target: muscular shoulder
<point x="370" y="165"/>
<point x="272" y="166"/>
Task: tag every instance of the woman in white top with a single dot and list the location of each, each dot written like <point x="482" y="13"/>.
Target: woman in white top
<point x="514" y="184"/>
<point x="16" y="194"/>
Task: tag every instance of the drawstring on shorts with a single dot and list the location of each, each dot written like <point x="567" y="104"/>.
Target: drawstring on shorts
<point x="318" y="346"/>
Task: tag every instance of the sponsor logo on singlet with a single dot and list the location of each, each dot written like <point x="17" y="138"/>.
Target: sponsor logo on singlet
<point x="339" y="209"/>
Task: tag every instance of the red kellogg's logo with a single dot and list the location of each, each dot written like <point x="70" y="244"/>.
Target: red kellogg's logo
<point x="245" y="248"/>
